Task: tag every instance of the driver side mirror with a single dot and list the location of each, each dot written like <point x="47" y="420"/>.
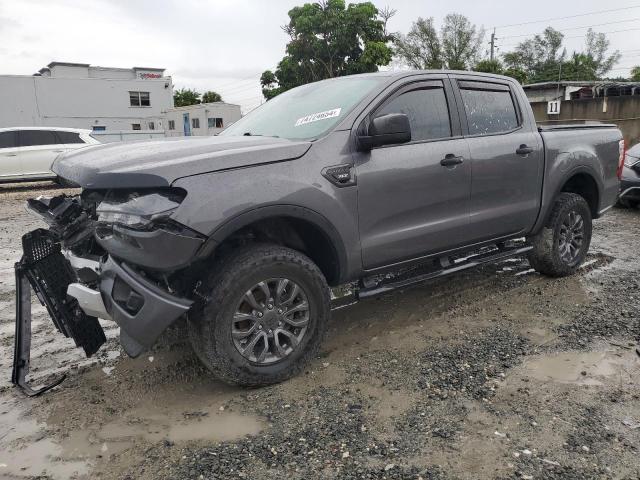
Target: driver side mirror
<point x="387" y="129"/>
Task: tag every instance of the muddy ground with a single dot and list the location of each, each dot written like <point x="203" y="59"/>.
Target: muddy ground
<point x="495" y="373"/>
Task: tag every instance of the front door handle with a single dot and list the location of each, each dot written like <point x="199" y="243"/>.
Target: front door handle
<point x="11" y="155"/>
<point x="58" y="151"/>
<point x="524" y="150"/>
<point x="450" y="160"/>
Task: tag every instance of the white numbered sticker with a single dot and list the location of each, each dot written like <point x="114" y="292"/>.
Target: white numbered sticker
<point x="316" y="117"/>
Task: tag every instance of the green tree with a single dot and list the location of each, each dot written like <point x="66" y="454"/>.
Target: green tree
<point x="420" y="48"/>
<point x="539" y="57"/>
<point x="518" y="74"/>
<point x="597" y="46"/>
<point x="211" y="96"/>
<point x="489" y="66"/>
<point x="542" y="58"/>
<point x="496" y="66"/>
<point x="461" y="42"/>
<point x="329" y="39"/>
<point x="456" y="47"/>
<point x="185" y="97"/>
<point x="635" y="74"/>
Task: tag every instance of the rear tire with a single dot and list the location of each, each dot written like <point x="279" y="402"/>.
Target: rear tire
<point x="247" y="301"/>
<point x="562" y="245"/>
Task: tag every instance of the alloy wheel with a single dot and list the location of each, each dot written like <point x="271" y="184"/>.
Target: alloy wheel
<point x="571" y="237"/>
<point x="270" y="320"/>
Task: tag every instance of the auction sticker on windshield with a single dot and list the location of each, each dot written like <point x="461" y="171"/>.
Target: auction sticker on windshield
<point x="316" y="117"/>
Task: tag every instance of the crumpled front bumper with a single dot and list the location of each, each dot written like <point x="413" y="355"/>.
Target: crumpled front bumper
<point x="141" y="309"/>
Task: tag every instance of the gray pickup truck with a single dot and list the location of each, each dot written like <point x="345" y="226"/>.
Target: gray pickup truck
<point x="372" y="182"/>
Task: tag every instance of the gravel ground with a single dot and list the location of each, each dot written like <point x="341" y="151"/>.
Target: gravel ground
<point x="495" y="373"/>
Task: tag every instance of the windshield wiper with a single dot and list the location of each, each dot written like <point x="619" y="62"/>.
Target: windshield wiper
<point x="249" y="134"/>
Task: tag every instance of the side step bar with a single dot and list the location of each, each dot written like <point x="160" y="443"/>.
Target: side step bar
<point x="384" y="287"/>
<point x="344" y="297"/>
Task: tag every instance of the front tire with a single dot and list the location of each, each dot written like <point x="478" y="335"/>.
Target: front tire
<point x="562" y="245"/>
<point x="265" y="315"/>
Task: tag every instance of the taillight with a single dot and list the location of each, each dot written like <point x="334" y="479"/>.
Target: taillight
<point x="623" y="151"/>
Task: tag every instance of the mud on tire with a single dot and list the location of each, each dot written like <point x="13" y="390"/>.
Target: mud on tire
<point x="562" y="245"/>
<point x="217" y="335"/>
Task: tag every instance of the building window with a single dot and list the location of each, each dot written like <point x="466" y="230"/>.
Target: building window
<point x="215" y="123"/>
<point x="99" y="128"/>
<point x="172" y="124"/>
<point x="135" y="126"/>
<point x="195" y="123"/>
<point x="139" y="99"/>
<point x="152" y="126"/>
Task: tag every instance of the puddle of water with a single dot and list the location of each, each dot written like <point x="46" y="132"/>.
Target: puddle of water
<point x="41" y="458"/>
<point x="581" y="368"/>
<point x="26" y="453"/>
<point x="206" y="424"/>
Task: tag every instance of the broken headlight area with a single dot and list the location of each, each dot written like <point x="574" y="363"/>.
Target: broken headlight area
<point x="138" y="210"/>
<point x="69" y="218"/>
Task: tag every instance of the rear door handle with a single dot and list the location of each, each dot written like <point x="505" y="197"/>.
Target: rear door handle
<point x="524" y="150"/>
<point x="58" y="151"/>
<point x="11" y="155"/>
<point x="450" y="160"/>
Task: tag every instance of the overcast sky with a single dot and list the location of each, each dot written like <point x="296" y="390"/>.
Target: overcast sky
<point x="224" y="45"/>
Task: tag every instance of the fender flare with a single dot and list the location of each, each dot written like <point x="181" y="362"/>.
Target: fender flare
<point x="548" y="201"/>
<point x="222" y="232"/>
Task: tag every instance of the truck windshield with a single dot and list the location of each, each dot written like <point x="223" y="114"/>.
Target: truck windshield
<point x="305" y="112"/>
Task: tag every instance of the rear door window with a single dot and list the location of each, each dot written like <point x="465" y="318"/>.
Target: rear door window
<point x="427" y="111"/>
<point x="32" y="138"/>
<point x="489" y="108"/>
<point x="8" y="140"/>
<point x="69" y="137"/>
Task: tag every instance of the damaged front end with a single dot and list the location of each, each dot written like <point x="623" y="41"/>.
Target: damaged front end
<point x="115" y="255"/>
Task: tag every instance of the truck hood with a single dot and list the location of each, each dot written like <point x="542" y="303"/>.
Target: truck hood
<point x="158" y="163"/>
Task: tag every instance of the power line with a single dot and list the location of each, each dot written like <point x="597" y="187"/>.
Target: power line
<point x="607" y="33"/>
<point x="569" y="16"/>
<point x="572" y="28"/>
<point x="582" y="36"/>
<point x="240" y="89"/>
<point x="252" y="77"/>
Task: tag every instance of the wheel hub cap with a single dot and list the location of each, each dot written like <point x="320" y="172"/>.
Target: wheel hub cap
<point x="270" y="320"/>
<point x="571" y="237"/>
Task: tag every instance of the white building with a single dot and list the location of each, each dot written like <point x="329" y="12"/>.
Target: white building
<point x="79" y="95"/>
<point x="201" y="119"/>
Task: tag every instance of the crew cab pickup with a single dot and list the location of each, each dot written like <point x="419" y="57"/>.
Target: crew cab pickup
<point x="372" y="181"/>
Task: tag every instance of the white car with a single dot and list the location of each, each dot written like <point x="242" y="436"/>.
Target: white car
<point x="26" y="153"/>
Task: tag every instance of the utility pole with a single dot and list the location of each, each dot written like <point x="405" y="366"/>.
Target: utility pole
<point x="493" y="42"/>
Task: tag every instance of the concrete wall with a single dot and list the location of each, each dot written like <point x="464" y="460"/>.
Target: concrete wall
<point x="623" y="111"/>
<point x="80" y="102"/>
<point x="228" y="112"/>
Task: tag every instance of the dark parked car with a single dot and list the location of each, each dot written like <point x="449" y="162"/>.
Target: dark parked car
<point x="420" y="173"/>
<point x="630" y="185"/>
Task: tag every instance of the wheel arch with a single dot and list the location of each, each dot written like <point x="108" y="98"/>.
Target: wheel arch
<point x="583" y="182"/>
<point x="293" y="226"/>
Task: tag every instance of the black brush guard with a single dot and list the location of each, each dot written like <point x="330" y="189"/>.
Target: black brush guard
<point x="44" y="269"/>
